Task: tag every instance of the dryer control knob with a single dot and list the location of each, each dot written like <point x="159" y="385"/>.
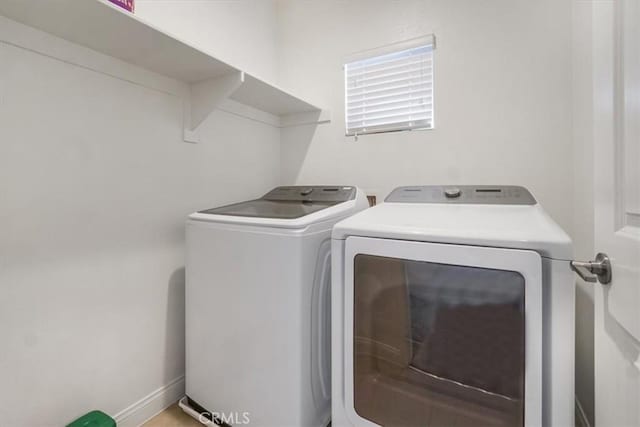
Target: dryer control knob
<point x="306" y="191"/>
<point x="452" y="193"/>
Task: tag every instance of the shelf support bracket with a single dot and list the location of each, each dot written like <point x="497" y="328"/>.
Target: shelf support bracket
<point x="206" y="96"/>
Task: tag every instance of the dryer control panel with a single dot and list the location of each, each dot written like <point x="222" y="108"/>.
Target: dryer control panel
<point x="463" y="194"/>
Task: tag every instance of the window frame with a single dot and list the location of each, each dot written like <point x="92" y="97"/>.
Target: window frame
<point x="413" y="43"/>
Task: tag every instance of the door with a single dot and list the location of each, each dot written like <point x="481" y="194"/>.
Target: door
<point x="439" y="334"/>
<point x="616" y="79"/>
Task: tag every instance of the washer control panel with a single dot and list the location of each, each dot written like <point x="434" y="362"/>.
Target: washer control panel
<point x="463" y="194"/>
<point x="312" y="193"/>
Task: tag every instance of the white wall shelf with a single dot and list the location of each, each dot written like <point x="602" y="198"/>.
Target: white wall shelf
<point x="105" y="28"/>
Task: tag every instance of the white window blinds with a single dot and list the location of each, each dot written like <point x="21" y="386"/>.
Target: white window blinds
<point x="391" y="88"/>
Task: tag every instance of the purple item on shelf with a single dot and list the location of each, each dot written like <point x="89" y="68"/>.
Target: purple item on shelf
<point x="125" y="4"/>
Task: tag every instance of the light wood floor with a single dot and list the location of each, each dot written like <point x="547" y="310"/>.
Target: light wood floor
<point x="173" y="416"/>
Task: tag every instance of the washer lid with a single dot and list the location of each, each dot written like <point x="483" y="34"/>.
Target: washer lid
<point x="288" y="202"/>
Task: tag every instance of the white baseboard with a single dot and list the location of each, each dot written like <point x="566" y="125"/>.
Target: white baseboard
<point x="152" y="404"/>
<point x="581" y="417"/>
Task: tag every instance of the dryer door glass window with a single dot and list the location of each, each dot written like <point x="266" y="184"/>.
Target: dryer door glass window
<point x="438" y="344"/>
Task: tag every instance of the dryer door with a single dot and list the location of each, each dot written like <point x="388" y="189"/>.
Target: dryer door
<point x="442" y="335"/>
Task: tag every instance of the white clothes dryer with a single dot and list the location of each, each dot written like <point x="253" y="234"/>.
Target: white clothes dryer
<point x="453" y="306"/>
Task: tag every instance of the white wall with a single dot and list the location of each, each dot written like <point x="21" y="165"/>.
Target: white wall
<point x="95" y="185"/>
<point x="502" y="88"/>
<point x="583" y="203"/>
<point x="240" y="32"/>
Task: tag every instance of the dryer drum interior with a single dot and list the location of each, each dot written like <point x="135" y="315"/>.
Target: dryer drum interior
<point x="443" y="342"/>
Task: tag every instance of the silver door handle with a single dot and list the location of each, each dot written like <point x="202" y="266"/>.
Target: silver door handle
<point x="594" y="271"/>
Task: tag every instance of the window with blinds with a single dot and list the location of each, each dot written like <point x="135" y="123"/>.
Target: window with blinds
<point x="390" y="88"/>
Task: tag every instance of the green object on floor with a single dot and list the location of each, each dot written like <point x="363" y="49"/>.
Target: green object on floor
<point x="94" y="419"/>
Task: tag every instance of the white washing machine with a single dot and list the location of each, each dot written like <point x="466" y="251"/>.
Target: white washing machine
<point x="258" y="307"/>
<point x="453" y="306"/>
